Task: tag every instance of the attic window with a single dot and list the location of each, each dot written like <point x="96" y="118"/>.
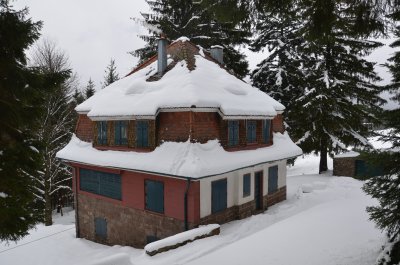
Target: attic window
<point x="102" y="132"/>
<point x="267" y="131"/>
<point x="142" y="134"/>
<point x="251" y="131"/>
<point x="121" y="133"/>
<point x="233" y="133"/>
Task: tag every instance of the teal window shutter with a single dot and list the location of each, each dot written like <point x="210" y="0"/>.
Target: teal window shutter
<point x="154" y="196"/>
<point x="246" y="185"/>
<point x="251" y="129"/>
<point x="142" y="133"/>
<point x="102" y="132"/>
<point x="120" y="135"/>
<point x="219" y="195"/>
<point x="101" y="183"/>
<point x="233" y="133"/>
<point x="272" y="179"/>
<point x="100" y="227"/>
<point x="267" y="131"/>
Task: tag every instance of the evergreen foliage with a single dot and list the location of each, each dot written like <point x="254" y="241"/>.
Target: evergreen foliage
<point x="54" y="127"/>
<point x="19" y="98"/>
<point x="77" y="97"/>
<point x="111" y="74"/>
<point x="197" y="21"/>
<point x="386" y="189"/>
<point x="89" y="90"/>
<point x="318" y="69"/>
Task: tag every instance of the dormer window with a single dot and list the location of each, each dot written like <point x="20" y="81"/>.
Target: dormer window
<point x="267" y="131"/>
<point x="121" y="133"/>
<point x="142" y="133"/>
<point x="251" y="131"/>
<point x="102" y="132"/>
<point x="233" y="133"/>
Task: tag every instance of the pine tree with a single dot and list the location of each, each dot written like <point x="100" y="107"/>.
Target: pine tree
<point x="282" y="73"/>
<point x="332" y="91"/>
<point x="54" y="127"/>
<point x="197" y="21"/>
<point x="19" y="101"/>
<point x="386" y="189"/>
<point x="111" y="74"/>
<point x="77" y="97"/>
<point x="90" y="89"/>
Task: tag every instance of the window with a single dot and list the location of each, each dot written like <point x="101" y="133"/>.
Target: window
<point x="151" y="239"/>
<point x="154" y="193"/>
<point x="100" y="227"/>
<point x="233" y="133"/>
<point x="246" y="185"/>
<point x="251" y="129"/>
<point x="121" y="133"/>
<point x="101" y="183"/>
<point x="142" y="133"/>
<point x="102" y="132"/>
<point x="267" y="131"/>
<point x="218" y="195"/>
<point x="272" y="179"/>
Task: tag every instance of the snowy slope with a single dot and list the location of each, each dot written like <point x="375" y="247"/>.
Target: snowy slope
<point x="328" y="225"/>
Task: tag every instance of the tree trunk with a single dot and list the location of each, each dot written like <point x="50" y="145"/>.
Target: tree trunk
<point x="48" y="211"/>
<point x="323" y="161"/>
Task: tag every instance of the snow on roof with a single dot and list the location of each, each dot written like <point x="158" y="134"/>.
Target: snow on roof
<point x="347" y="154"/>
<point x="184" y="159"/>
<point x="207" y="86"/>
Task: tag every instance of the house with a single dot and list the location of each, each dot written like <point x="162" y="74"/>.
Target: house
<point x="179" y="142"/>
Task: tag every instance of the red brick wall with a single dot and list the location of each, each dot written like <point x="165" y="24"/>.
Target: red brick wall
<point x="133" y="193"/>
<point x="128" y="222"/>
<point x="277" y="124"/>
<point x="176" y="126"/>
<point x="84" y="128"/>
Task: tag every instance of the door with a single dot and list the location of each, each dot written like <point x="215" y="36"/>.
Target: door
<point x="258" y="176"/>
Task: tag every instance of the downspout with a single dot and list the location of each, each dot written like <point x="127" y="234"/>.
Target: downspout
<point x="76" y="204"/>
<point x="186" y="204"/>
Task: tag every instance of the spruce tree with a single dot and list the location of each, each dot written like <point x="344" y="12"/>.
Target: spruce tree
<point x="197" y="21"/>
<point x="111" y="74"/>
<point x="19" y="106"/>
<point x="332" y="86"/>
<point x="386" y="188"/>
<point x="90" y="89"/>
<point x="281" y="74"/>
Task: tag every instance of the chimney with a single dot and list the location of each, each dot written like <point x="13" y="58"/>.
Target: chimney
<point x="217" y="53"/>
<point x="162" y="54"/>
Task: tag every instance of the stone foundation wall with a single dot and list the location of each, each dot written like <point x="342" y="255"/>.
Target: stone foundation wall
<point x="345" y="166"/>
<point x="125" y="226"/>
<point x="245" y="210"/>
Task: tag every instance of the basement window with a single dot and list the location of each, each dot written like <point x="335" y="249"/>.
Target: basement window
<point x="272" y="179"/>
<point x="246" y="185"/>
<point x="100" y="227"/>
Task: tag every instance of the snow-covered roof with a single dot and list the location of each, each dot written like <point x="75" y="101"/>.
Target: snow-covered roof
<point x="206" y="86"/>
<point x="347" y="154"/>
<point x="181" y="159"/>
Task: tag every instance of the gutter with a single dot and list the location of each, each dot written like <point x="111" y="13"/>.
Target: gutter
<point x="76" y="205"/>
<point x="186" y="204"/>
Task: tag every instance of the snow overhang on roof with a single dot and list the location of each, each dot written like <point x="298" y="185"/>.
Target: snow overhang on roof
<point x="184" y="159"/>
<point x="207" y="86"/>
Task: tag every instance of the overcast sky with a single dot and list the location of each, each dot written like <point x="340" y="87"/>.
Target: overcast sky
<point x="92" y="32"/>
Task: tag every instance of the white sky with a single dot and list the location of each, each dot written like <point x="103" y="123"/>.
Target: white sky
<point x="92" y="32"/>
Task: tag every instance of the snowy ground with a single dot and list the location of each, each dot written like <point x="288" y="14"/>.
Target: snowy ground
<point x="327" y="225"/>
